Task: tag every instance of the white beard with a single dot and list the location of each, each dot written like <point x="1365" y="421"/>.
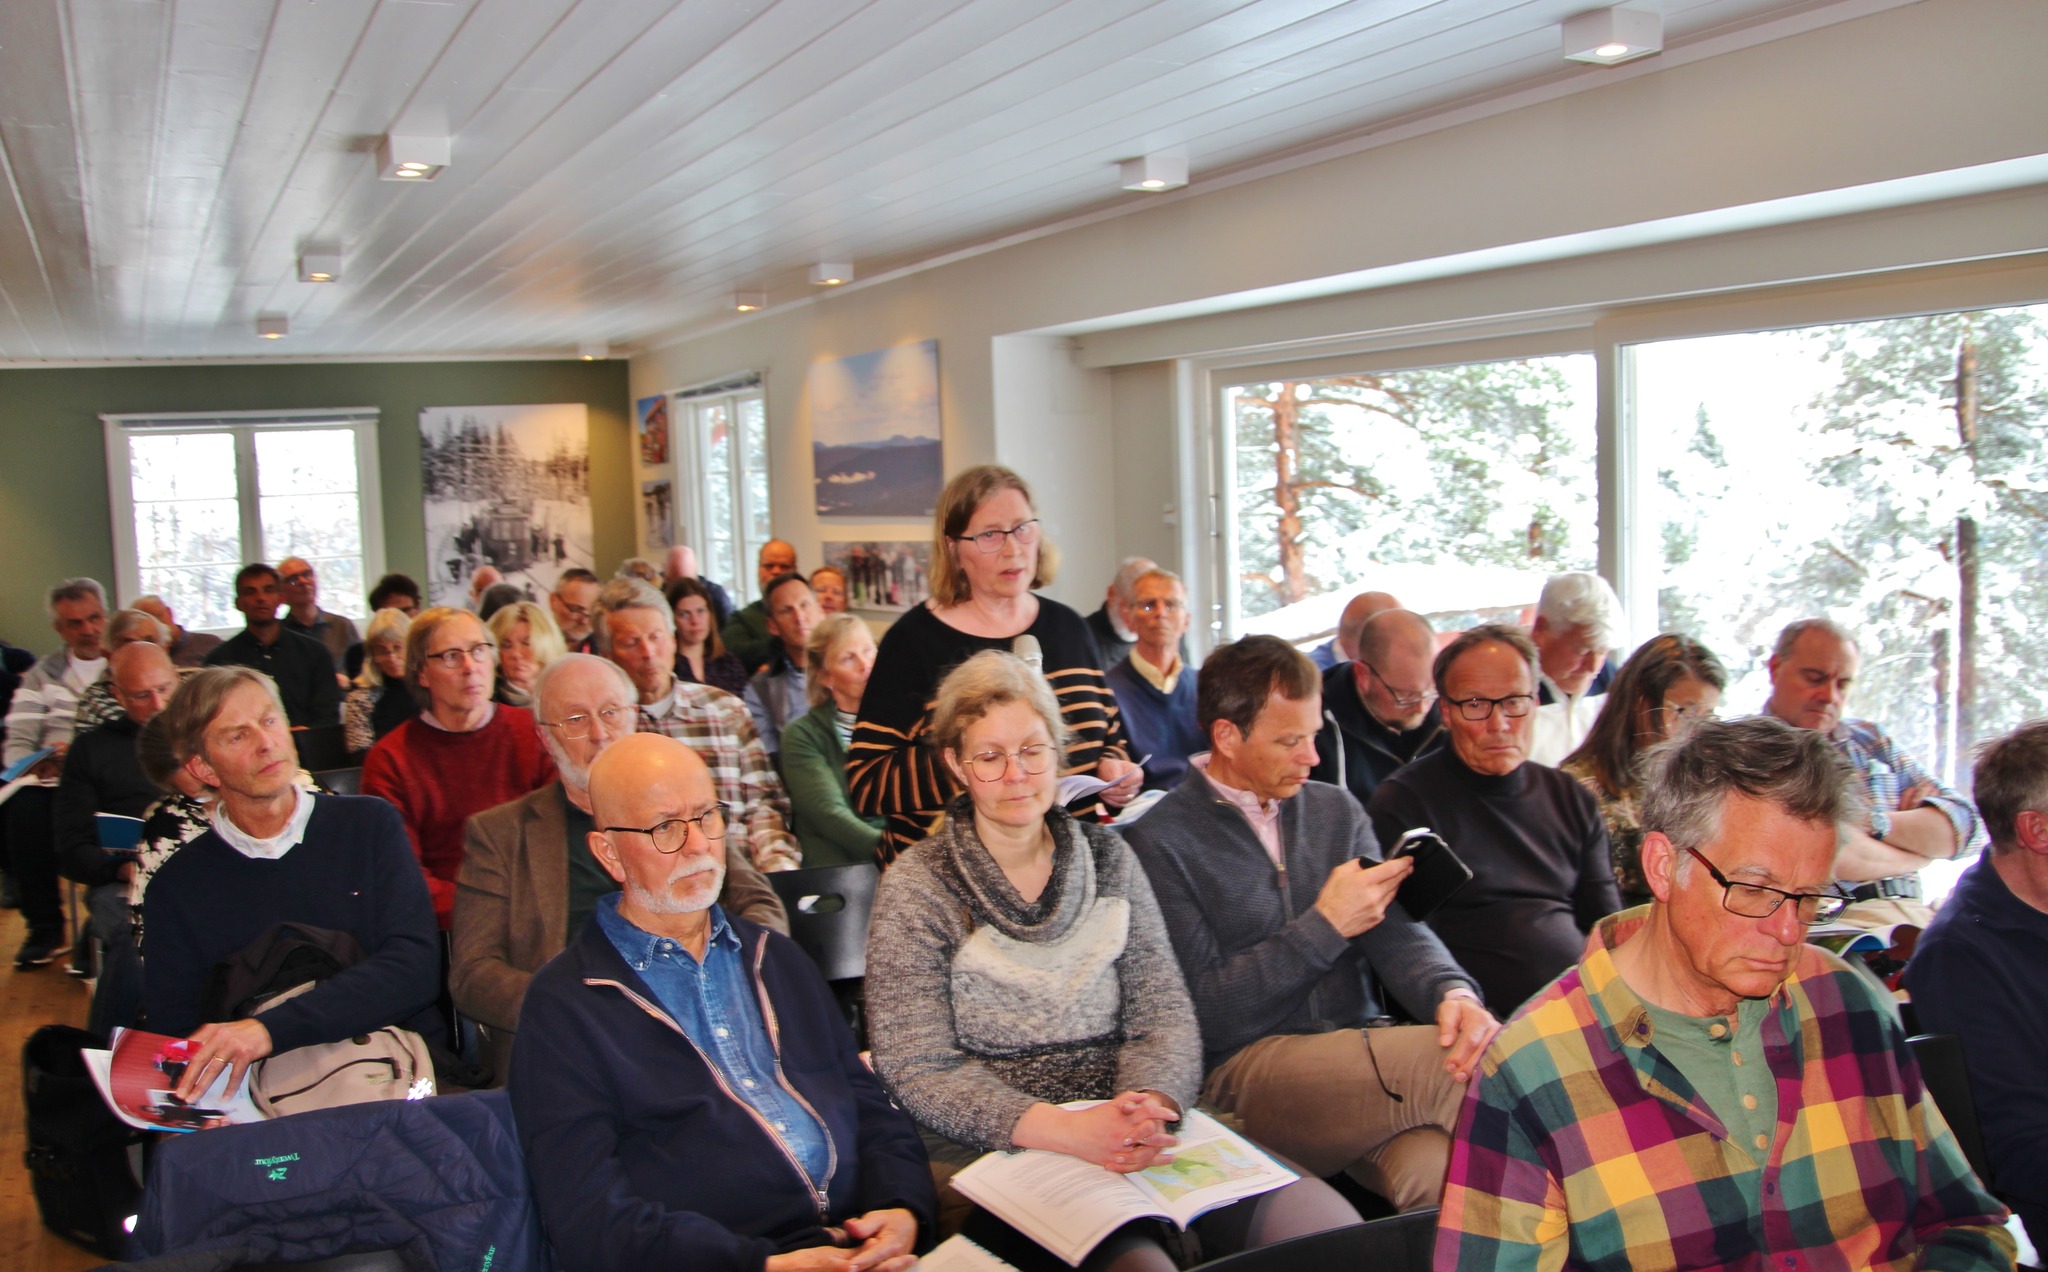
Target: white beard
<point x="666" y="901"/>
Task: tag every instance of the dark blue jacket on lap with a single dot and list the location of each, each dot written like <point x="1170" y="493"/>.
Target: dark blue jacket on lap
<point x="640" y="1157"/>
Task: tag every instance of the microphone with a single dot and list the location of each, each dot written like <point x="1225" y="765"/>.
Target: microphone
<point x="1027" y="648"/>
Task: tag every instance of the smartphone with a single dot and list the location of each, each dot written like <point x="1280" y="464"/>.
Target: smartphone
<point x="1414" y="842"/>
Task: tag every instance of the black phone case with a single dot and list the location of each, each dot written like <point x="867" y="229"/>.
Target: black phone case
<point x="1437" y="876"/>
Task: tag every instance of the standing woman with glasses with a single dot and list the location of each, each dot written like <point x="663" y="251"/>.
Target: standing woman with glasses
<point x="463" y="753"/>
<point x="988" y="553"/>
<point x="1673" y="681"/>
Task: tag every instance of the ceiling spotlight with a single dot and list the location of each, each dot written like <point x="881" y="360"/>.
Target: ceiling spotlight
<point x="319" y="265"/>
<point x="273" y="326"/>
<point x="403" y="158"/>
<point x="748" y="301"/>
<point x="1607" y="37"/>
<point x="830" y="274"/>
<point x="593" y="351"/>
<point x="1154" y="173"/>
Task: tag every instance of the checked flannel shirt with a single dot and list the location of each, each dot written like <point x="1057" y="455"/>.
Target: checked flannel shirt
<point x="1581" y="1146"/>
<point x="1887" y="772"/>
<point x="715" y="725"/>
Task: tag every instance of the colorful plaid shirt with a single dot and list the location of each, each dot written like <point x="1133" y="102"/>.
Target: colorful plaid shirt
<point x="715" y="725"/>
<point x="1581" y="1146"/>
<point x="1889" y="772"/>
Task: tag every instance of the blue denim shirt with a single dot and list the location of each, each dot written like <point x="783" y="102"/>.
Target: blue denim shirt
<point x="714" y="1004"/>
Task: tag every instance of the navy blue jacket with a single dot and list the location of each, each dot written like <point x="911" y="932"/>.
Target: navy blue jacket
<point x="1161" y="725"/>
<point x="640" y="1157"/>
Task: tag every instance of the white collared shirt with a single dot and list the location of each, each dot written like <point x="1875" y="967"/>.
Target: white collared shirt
<point x="490" y="714"/>
<point x="277" y="845"/>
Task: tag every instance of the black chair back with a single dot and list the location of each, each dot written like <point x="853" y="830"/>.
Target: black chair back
<point x="340" y="781"/>
<point x="1400" y="1243"/>
<point x="1940" y="1057"/>
<point x="828" y="914"/>
<point x="322" y="747"/>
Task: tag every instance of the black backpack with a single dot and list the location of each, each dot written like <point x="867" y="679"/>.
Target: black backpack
<point x="77" y="1149"/>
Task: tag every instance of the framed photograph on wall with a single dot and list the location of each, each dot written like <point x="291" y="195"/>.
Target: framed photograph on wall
<point x="875" y="442"/>
<point x="506" y="486"/>
<point x="658" y="512"/>
<point x="883" y="576"/>
<point x="651" y="414"/>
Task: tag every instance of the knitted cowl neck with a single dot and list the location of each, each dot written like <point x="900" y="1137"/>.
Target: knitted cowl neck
<point x="973" y="875"/>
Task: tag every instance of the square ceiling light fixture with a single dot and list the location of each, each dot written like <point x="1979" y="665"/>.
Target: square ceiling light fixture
<point x="1154" y="173"/>
<point x="832" y="273"/>
<point x="320" y="265"/>
<point x="1608" y="37"/>
<point x="273" y="326"/>
<point x="593" y="351"/>
<point x="748" y="301"/>
<point x="403" y="158"/>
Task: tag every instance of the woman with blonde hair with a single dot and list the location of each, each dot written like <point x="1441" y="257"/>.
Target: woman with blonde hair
<point x="379" y="701"/>
<point x="838" y="658"/>
<point x="528" y="641"/>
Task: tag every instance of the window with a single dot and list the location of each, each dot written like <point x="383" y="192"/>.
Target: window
<point x="726" y="443"/>
<point x="196" y="497"/>
<point x="1457" y="488"/>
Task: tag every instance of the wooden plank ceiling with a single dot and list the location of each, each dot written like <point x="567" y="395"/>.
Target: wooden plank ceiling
<point x="622" y="166"/>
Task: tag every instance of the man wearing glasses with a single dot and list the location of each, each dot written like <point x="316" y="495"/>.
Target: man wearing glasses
<point x="528" y="881"/>
<point x="1380" y="708"/>
<point x="1155" y="688"/>
<point x="686" y="1091"/>
<point x="1706" y="1089"/>
<point x="1532" y="835"/>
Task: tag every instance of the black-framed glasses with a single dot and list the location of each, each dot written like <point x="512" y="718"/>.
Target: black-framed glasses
<point x="483" y="651"/>
<point x="577" y="727"/>
<point x="992" y="766"/>
<point x="670" y="836"/>
<point x="1755" y="901"/>
<point x="1408" y="701"/>
<point x="1514" y="706"/>
<point x="990" y="542"/>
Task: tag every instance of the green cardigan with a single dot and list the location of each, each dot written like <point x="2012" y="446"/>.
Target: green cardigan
<point x="814" y="771"/>
<point x="747" y="637"/>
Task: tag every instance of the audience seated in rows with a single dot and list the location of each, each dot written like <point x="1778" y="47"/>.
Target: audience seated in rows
<point x="573" y="602"/>
<point x="44" y="714"/>
<point x="528" y="880"/>
<point x="527" y="641"/>
<point x="1154" y="686"/>
<point x="639" y="635"/>
<point x="1912" y="817"/>
<point x="393" y="591"/>
<point x="828" y="584"/>
<point x="1669" y="682"/>
<point x="838" y="658"/>
<point x="746" y="633"/>
<point x="275" y="854"/>
<point x="700" y="657"/>
<point x="187" y="649"/>
<point x="1110" y="625"/>
<point x="775" y="695"/>
<point x="378" y="701"/>
<point x="680" y="564"/>
<point x="686" y="1091"/>
<point x="462" y="752"/>
<point x="1343" y="646"/>
<point x="99" y="704"/>
<point x="1977" y="971"/>
<point x="1578" y="624"/>
<point x="300" y="666"/>
<point x="1379" y="708"/>
<point x="299" y="584"/>
<point x="1532" y="836"/>
<point x="1285" y="925"/>
<point x="1017" y="962"/>
<point x="1705" y="1088"/>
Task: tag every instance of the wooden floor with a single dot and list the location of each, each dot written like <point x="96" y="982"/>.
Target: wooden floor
<point x="29" y="1000"/>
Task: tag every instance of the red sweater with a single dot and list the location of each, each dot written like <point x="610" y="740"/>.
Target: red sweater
<point x="438" y="780"/>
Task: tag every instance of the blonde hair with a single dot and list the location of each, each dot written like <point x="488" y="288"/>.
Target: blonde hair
<point x="385" y="624"/>
<point x="819" y="649"/>
<point x="416" y="637"/>
<point x="958" y="503"/>
<point x="991" y="679"/>
<point x="541" y="632"/>
<point x="199" y="699"/>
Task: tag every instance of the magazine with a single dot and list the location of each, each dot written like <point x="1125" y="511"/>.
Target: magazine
<point x="1068" y="1205"/>
<point x="138" y="1076"/>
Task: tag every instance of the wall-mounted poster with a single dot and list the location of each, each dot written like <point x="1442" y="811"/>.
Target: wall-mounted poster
<point x="875" y="447"/>
<point x="507" y="486"/>
<point x="652" y="413"/>
<point x="658" y="512"/>
<point x="883" y="576"/>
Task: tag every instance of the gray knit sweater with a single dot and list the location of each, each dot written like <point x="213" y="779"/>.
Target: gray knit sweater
<point x="980" y="1005"/>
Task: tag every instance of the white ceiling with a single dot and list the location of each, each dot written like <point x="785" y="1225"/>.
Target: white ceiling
<point x="621" y="166"/>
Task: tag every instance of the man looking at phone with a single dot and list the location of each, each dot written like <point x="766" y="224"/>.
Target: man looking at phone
<point x="1285" y="922"/>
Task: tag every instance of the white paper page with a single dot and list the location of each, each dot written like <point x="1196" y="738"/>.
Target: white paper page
<point x="958" y="1254"/>
<point x="1061" y="1202"/>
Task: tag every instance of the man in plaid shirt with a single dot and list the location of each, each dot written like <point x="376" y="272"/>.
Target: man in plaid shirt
<point x="1705" y="1089"/>
<point x="638" y="633"/>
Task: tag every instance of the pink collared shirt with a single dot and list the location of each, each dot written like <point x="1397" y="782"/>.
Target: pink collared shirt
<point x="1263" y="814"/>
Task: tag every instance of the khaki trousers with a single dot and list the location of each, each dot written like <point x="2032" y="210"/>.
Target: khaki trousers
<point x="1314" y="1098"/>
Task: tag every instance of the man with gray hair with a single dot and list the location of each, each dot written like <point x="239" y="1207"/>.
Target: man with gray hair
<point x="1110" y="626"/>
<point x="1705" y="1087"/>
<point x="1578" y="624"/>
<point x="1980" y="971"/>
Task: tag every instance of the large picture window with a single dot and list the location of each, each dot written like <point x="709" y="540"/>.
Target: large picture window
<point x="725" y="430"/>
<point x="196" y="497"/>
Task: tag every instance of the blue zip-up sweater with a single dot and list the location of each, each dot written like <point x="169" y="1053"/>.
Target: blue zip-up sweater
<point x="640" y="1155"/>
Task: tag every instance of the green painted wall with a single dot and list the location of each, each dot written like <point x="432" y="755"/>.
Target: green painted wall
<point x="53" y="480"/>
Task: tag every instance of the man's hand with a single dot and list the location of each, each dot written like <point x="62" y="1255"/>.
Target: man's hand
<point x="231" y="1047"/>
<point x="1127" y="780"/>
<point x="886" y="1238"/>
<point x="51" y="767"/>
<point x="1463" y="1027"/>
<point x="1355" y="897"/>
<point x="1914" y="796"/>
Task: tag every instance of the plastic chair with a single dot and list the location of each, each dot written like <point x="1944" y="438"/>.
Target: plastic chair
<point x="341" y="781"/>
<point x="1401" y="1242"/>
<point x="1940" y="1057"/>
<point x="828" y="916"/>
<point x="321" y="748"/>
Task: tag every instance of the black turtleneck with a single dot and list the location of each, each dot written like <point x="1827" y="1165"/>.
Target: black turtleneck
<point x="1539" y="858"/>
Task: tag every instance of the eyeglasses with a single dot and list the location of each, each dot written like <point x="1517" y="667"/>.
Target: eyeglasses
<point x="298" y="576"/>
<point x="990" y="542"/>
<point x="1410" y="701"/>
<point x="577" y="726"/>
<point x="1161" y="605"/>
<point x="993" y="766"/>
<point x="1514" y="706"/>
<point x="1688" y="711"/>
<point x="483" y="651"/>
<point x="1755" y="901"/>
<point x="573" y="611"/>
<point x="670" y="836"/>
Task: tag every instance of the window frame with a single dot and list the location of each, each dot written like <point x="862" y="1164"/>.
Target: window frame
<point x="693" y="463"/>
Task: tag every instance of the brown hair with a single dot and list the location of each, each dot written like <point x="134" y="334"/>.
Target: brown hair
<point x="1238" y="679"/>
<point x="199" y="699"/>
<point x="958" y="503"/>
<point x="2010" y="778"/>
<point x="1618" y="738"/>
<point x="676" y="590"/>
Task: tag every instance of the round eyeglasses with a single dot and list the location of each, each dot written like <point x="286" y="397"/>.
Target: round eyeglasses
<point x="670" y="836"/>
<point x="993" y="766"/>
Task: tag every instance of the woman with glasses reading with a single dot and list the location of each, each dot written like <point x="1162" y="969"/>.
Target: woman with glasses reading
<point x="1542" y="874"/>
<point x="1671" y="682"/>
<point x="988" y="553"/>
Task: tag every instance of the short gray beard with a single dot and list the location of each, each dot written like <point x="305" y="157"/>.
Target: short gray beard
<point x="665" y="902"/>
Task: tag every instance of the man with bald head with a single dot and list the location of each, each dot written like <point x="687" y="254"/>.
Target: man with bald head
<point x="528" y="881"/>
<point x="681" y="563"/>
<point x="300" y="586"/>
<point x="685" y="1088"/>
<point x="1379" y="709"/>
<point x="1344" y="645"/>
<point x="187" y="648"/>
